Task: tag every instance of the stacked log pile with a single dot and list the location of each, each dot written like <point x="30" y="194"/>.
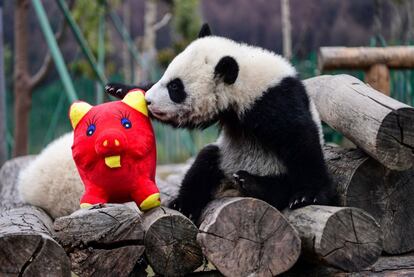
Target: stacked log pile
<point x="378" y="176"/>
<point x="27" y="247"/>
<point x="244" y="236"/>
<point x="114" y="239"/>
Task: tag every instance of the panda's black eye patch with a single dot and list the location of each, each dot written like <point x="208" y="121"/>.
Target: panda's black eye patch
<point x="176" y="90"/>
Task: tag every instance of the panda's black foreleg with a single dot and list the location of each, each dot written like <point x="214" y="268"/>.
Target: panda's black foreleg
<point x="275" y="190"/>
<point x="199" y="183"/>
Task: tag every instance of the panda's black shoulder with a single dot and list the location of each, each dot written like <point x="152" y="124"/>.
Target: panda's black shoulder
<point x="287" y="97"/>
<point x="290" y="90"/>
<point x="285" y="105"/>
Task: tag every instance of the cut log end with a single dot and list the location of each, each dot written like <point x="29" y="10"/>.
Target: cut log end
<point x="385" y="194"/>
<point x="32" y="255"/>
<point x="246" y="236"/>
<point x="170" y="241"/>
<point x="27" y="247"/>
<point x="351" y="240"/>
<point x="346" y="238"/>
<point x="395" y="139"/>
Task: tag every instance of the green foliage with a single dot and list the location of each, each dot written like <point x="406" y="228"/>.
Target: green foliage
<point x="166" y="55"/>
<point x="8" y="63"/>
<point x="187" y="24"/>
<point x="87" y="15"/>
<point x="187" y="19"/>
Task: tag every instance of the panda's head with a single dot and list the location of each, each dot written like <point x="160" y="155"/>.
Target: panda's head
<point x="191" y="93"/>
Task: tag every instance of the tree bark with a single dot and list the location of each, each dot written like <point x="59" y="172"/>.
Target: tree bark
<point x="170" y="241"/>
<point x="24" y="83"/>
<point x="26" y="244"/>
<point x="380" y="125"/>
<point x="378" y="77"/>
<point x="386" y="266"/>
<point x="102" y="240"/>
<point x="246" y="237"/>
<point x="286" y="29"/>
<point x="400" y="57"/>
<point x="345" y="238"/>
<point x="22" y="88"/>
<point x="112" y="238"/>
<point x="3" y="112"/>
<point x="386" y="194"/>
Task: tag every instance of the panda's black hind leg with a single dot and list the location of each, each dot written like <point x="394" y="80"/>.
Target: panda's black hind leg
<point x="199" y="183"/>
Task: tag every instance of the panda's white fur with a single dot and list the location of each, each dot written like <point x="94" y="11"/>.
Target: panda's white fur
<point x="271" y="134"/>
<point x="259" y="69"/>
<point x="195" y="66"/>
<point x="51" y="181"/>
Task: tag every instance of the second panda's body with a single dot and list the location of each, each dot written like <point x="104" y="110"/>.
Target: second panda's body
<point x="270" y="141"/>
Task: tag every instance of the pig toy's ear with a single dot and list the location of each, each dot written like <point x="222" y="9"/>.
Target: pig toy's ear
<point x="136" y="100"/>
<point x="77" y="111"/>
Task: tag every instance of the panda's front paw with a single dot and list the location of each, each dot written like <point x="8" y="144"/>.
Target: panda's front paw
<point x="175" y="205"/>
<point x="117" y="90"/>
<point x="308" y="197"/>
<point x="242" y="179"/>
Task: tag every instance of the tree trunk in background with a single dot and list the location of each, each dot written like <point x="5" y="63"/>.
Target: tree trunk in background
<point x="409" y="36"/>
<point x="377" y="18"/>
<point x="22" y="86"/>
<point x="148" y="40"/>
<point x="127" y="60"/>
<point x="286" y="29"/>
<point x="24" y="82"/>
<point x="3" y="114"/>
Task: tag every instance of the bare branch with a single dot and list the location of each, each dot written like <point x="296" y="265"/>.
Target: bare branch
<point x="164" y="21"/>
<point x="47" y="63"/>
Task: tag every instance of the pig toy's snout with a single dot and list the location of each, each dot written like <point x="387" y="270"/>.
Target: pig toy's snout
<point x="110" y="142"/>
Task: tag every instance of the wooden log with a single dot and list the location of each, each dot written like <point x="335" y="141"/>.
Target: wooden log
<point x="170" y="242"/>
<point x="113" y="237"/>
<point x="345" y="238"/>
<point x="363" y="57"/>
<point x="26" y="244"/>
<point x="168" y="191"/>
<point x="386" y="266"/>
<point x="378" y="77"/>
<point x="386" y="194"/>
<point x="102" y="239"/>
<point x="9" y="173"/>
<point x="380" y="125"/>
<point x="246" y="237"/>
<point x="389" y="266"/>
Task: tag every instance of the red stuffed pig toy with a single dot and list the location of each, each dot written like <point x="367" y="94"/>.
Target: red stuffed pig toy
<point x="114" y="151"/>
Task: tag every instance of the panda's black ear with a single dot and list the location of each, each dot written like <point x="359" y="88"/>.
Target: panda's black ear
<point x="205" y="31"/>
<point x="227" y="69"/>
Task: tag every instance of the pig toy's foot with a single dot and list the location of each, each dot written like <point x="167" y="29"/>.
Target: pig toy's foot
<point x="150" y="202"/>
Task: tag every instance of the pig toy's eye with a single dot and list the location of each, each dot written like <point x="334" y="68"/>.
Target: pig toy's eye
<point x="126" y="123"/>
<point x="91" y="129"/>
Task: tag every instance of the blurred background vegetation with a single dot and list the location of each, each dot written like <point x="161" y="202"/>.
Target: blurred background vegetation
<point x="315" y="23"/>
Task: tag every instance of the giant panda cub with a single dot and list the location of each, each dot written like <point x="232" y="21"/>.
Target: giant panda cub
<point x="270" y="141"/>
